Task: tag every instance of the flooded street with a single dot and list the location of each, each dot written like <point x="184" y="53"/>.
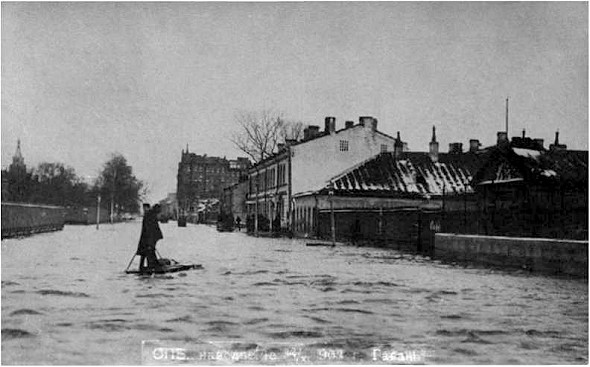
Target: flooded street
<point x="66" y="300"/>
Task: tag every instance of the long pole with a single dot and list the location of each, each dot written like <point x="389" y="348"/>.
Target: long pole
<point x="506" y="117"/>
<point x="271" y="213"/>
<point x="256" y="209"/>
<point x="332" y="219"/>
<point x="97" y="211"/>
<point x="113" y="196"/>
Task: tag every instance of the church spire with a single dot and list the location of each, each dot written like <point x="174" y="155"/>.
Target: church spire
<point x="18" y="162"/>
<point x="18" y="156"/>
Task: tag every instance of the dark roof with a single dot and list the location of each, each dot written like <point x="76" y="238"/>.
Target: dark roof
<point x="411" y="174"/>
<point x="539" y="166"/>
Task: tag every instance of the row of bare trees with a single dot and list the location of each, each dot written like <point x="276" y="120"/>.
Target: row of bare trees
<point x="260" y="132"/>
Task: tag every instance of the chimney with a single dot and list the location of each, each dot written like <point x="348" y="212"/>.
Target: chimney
<point x="433" y="146"/>
<point x="473" y="145"/>
<point x="373" y="124"/>
<point x="502" y="137"/>
<point x="365" y="120"/>
<point x="539" y="142"/>
<point x="348" y="124"/>
<point x="456" y="148"/>
<point x="330" y="125"/>
<point x="523" y="133"/>
<point x="556" y="145"/>
<point x="311" y="132"/>
<point x="306" y="133"/>
<point x="398" y="146"/>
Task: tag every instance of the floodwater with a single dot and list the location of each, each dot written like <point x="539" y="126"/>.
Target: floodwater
<point x="66" y="300"/>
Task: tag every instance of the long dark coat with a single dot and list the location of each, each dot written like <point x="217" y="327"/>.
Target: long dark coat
<point x="150" y="234"/>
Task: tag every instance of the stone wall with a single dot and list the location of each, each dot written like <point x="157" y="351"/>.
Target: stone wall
<point x="566" y="257"/>
<point x="19" y="219"/>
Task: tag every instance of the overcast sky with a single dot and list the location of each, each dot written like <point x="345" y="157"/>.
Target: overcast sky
<point x="83" y="80"/>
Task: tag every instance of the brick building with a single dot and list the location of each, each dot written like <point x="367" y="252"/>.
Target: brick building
<point x="203" y="178"/>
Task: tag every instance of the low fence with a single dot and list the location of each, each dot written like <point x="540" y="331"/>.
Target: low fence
<point x="19" y="219"/>
<point x="567" y="257"/>
<point x="87" y="215"/>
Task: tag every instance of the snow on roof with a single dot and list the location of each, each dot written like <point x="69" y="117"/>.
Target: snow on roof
<point x="413" y="173"/>
<point x="528" y="153"/>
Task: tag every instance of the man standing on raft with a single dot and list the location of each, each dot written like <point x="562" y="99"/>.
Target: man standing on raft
<point x="150" y="234"/>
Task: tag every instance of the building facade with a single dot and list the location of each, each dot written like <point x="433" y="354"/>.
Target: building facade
<point x="204" y="178"/>
<point x="527" y="190"/>
<point x="395" y="197"/>
<point x="306" y="165"/>
<point x="514" y="188"/>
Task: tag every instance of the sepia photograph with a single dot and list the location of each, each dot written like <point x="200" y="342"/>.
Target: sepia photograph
<point x="294" y="183"/>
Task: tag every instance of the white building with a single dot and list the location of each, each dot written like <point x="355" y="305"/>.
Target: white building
<point x="307" y="165"/>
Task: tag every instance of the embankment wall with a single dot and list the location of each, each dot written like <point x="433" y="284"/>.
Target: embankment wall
<point x="19" y="219"/>
<point x="566" y="257"/>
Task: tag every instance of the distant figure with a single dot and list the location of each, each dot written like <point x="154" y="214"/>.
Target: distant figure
<point x="239" y="223"/>
<point x="150" y="235"/>
<point x="276" y="224"/>
<point x="355" y="232"/>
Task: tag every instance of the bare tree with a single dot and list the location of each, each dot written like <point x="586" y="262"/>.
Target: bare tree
<point x="260" y="132"/>
<point x="292" y="130"/>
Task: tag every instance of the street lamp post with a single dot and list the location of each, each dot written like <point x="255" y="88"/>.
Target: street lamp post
<point x="271" y="211"/>
<point x="256" y="207"/>
<point x="332" y="219"/>
<point x="97" y="211"/>
<point x="112" y="217"/>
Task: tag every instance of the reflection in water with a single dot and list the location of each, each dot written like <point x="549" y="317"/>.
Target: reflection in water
<point x="66" y="300"/>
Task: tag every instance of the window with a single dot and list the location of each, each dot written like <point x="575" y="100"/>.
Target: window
<point x="344" y="145"/>
<point x="383" y="148"/>
<point x="281" y="174"/>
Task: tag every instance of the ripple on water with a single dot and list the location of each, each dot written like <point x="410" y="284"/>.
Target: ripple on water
<point x="56" y="292"/>
<point x="543" y="334"/>
<point x="373" y="284"/>
<point x="108" y="325"/>
<point x="340" y="309"/>
<point x="347" y="302"/>
<point x="264" y="284"/>
<point x="296" y="334"/>
<point x="255" y="321"/>
<point x="452" y="317"/>
<point x="468" y="332"/>
<point x="220" y="325"/>
<point x="186" y="318"/>
<point x="8" y="333"/>
<point x="152" y="295"/>
<point x="253" y="272"/>
<point x="25" y="311"/>
<point x="317" y="319"/>
<point x="8" y="283"/>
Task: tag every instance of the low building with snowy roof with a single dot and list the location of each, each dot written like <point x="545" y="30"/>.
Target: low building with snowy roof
<point x="515" y="188"/>
<point x="304" y="166"/>
<point x="395" y="197"/>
